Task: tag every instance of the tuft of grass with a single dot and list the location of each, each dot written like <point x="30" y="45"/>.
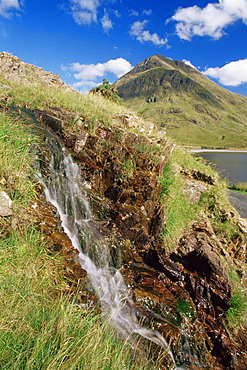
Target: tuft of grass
<point x="128" y="169"/>
<point x="15" y="159"/>
<point x="166" y="179"/>
<point x="151" y="149"/>
<point x="236" y="314"/>
<point x="179" y="212"/>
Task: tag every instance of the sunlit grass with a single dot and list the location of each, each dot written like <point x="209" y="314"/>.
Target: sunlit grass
<point x="15" y="159"/>
<point x="179" y="213"/>
<point x="236" y="314"/>
<point x="93" y="108"/>
<point x="41" y="327"/>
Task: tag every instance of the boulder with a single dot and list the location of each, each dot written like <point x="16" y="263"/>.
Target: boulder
<point x="193" y="190"/>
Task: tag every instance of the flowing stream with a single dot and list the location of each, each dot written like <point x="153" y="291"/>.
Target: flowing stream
<point x="63" y="187"/>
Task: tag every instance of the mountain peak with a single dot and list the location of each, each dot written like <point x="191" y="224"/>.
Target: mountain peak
<point x="162" y="77"/>
<point x="178" y="97"/>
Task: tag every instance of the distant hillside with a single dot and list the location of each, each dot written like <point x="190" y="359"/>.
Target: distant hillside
<point x="192" y="108"/>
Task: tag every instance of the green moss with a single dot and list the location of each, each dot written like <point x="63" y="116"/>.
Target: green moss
<point x="128" y="169"/>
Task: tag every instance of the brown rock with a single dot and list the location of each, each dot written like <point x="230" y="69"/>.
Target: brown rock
<point x="80" y="142"/>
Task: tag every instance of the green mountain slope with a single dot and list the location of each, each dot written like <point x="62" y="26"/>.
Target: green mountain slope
<point x="193" y="109"/>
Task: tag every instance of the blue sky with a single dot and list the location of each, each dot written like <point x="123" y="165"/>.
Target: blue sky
<point x="85" y="41"/>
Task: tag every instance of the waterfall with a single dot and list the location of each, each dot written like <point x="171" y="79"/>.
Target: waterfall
<point x="63" y="187"/>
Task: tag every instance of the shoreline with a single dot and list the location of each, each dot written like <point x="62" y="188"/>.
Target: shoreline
<point x="216" y="151"/>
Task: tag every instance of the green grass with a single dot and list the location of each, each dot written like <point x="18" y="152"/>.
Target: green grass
<point x="166" y="179"/>
<point x="240" y="187"/>
<point x="93" y="108"/>
<point x="212" y="129"/>
<point x="15" y="159"/>
<point x="128" y="169"/>
<point x="179" y="213"/>
<point x="41" y="327"/>
<point x="236" y="314"/>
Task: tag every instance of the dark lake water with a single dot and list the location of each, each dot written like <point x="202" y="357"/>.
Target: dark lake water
<point x="232" y="166"/>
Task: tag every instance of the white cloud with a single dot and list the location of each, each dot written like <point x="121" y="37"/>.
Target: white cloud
<point x="116" y="13"/>
<point x="117" y="66"/>
<point x="133" y="12"/>
<point x="87" y="74"/>
<point x="7" y="6"/>
<point x="147" y="12"/>
<point x="188" y="62"/>
<point x="231" y="74"/>
<point x="84" y="86"/>
<point x="209" y="21"/>
<point x="85" y="11"/>
<point x="137" y="30"/>
<point x="106" y="23"/>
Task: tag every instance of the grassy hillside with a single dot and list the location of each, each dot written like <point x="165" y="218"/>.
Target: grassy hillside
<point x="191" y="108"/>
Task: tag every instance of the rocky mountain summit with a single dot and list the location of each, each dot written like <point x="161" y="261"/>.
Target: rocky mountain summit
<point x="14" y="69"/>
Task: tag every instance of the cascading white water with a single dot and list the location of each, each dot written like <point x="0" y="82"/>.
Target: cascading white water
<point x="63" y="188"/>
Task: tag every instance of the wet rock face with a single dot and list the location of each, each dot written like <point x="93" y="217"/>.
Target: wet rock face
<point x="126" y="181"/>
<point x="197" y="253"/>
<point x="208" y="284"/>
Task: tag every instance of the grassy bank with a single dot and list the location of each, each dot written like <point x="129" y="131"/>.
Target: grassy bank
<point x="92" y="107"/>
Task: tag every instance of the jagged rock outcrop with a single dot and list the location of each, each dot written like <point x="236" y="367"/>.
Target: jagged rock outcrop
<point x="14" y="69"/>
